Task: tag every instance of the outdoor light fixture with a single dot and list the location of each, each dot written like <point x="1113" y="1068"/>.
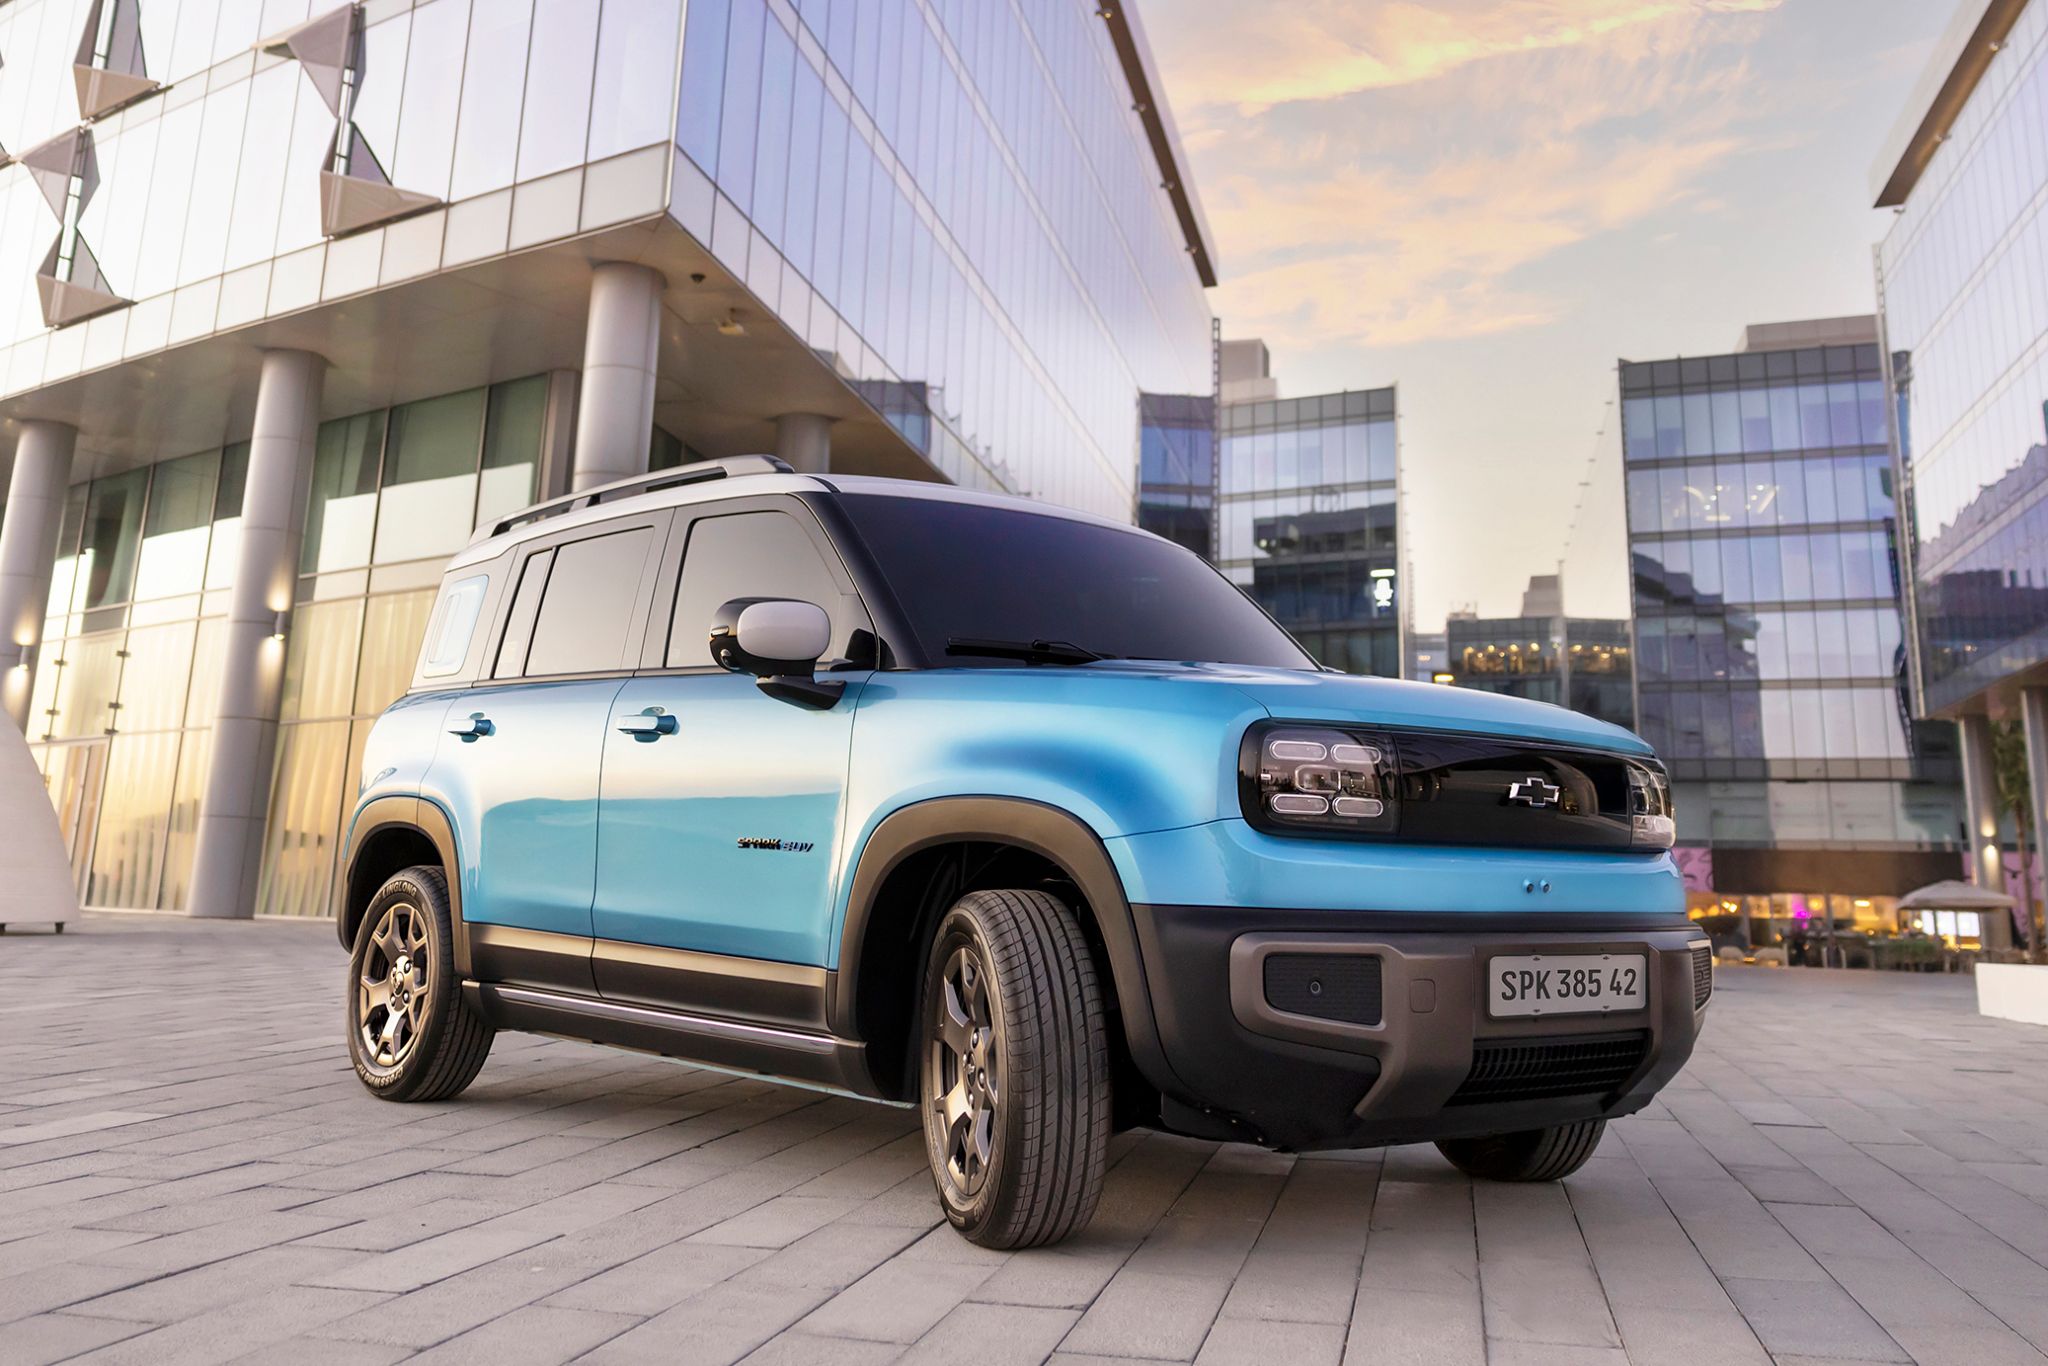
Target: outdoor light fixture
<point x="731" y="326"/>
<point x="277" y="625"/>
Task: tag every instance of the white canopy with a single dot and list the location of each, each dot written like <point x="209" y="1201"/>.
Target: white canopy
<point x="1954" y="896"/>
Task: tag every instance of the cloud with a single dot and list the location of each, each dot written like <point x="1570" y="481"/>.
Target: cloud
<point x="1254" y="56"/>
<point x="1383" y="174"/>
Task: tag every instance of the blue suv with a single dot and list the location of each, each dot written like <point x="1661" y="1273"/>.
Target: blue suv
<point x="1023" y="818"/>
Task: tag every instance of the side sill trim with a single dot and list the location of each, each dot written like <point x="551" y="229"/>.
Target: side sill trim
<point x="675" y="1021"/>
<point x="818" y="1060"/>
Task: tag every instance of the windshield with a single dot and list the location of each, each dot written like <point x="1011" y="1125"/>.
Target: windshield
<point x="970" y="573"/>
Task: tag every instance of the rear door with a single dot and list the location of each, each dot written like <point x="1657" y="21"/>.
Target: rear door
<point x="717" y="835"/>
<point x="520" y="776"/>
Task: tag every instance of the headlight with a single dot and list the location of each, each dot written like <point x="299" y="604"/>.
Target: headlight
<point x="1313" y="778"/>
<point x="1650" y="812"/>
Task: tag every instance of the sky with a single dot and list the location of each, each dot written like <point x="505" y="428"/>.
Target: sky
<point x="1488" y="202"/>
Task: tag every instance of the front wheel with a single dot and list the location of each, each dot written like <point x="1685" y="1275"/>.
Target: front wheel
<point x="1531" y="1155"/>
<point x="1015" y="1077"/>
<point x="411" y="1034"/>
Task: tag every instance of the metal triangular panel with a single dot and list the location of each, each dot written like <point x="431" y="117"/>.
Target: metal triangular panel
<point x="85" y="295"/>
<point x="50" y="165"/>
<point x="322" y="47"/>
<point x="101" y="91"/>
<point x="349" y="204"/>
<point x="124" y="48"/>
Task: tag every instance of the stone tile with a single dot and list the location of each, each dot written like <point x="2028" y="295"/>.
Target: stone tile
<point x="1144" y="1314"/>
<point x="536" y="1334"/>
<point x="1246" y="1342"/>
<point x="992" y="1335"/>
<point x="1816" y="1318"/>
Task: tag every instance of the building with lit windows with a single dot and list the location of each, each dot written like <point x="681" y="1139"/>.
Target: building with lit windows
<point x="1965" y="306"/>
<point x="1576" y="662"/>
<point x="302" y="293"/>
<point x="1767" y="607"/>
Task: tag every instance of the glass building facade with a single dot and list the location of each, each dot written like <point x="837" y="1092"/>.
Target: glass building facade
<point x="1763" y="538"/>
<point x="1964" y="276"/>
<point x="1963" y="291"/>
<point x="1307" y="521"/>
<point x="959" y="236"/>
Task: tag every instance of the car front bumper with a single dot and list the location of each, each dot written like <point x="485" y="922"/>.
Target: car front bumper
<point x="1432" y="1063"/>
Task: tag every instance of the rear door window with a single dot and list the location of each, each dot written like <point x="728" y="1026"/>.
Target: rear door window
<point x="585" y="605"/>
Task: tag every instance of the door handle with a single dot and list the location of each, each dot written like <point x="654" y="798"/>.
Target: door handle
<point x="475" y="728"/>
<point x="648" y="725"/>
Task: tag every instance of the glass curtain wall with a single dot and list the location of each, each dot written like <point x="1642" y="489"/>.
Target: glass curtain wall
<point x="1307" y="524"/>
<point x="1966" y="313"/>
<point x="1177" y="469"/>
<point x="130" y="672"/>
<point x="1762" y="530"/>
<point x="956" y="200"/>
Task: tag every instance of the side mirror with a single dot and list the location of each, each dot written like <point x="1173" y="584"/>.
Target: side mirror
<point x="778" y="641"/>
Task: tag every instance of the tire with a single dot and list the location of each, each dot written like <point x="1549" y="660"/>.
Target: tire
<point x="1009" y="980"/>
<point x="1531" y="1155"/>
<point x="411" y="1034"/>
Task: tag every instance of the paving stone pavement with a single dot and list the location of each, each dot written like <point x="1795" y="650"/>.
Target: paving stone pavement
<point x="1853" y="1168"/>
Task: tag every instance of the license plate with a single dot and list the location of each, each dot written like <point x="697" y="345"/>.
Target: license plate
<point x="1567" y="984"/>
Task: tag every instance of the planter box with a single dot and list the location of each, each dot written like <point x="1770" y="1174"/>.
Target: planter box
<point x="2013" y="991"/>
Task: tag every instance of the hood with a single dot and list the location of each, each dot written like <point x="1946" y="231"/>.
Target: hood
<point x="1296" y="695"/>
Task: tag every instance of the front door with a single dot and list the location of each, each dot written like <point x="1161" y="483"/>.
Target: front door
<point x="720" y="823"/>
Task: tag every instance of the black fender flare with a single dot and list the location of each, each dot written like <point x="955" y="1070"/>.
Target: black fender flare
<point x="1048" y="831"/>
<point x="422" y="817"/>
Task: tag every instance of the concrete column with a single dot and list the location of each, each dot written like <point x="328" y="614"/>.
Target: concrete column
<point x="2034" y="721"/>
<point x="615" y="412"/>
<point x="804" y="442"/>
<point x="1980" y="816"/>
<point x="28" y="550"/>
<point x="231" y="819"/>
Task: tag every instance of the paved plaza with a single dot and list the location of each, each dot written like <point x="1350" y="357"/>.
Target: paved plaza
<point x="1854" y="1167"/>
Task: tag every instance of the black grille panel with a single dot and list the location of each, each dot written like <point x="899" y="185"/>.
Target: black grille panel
<point x="1328" y="986"/>
<point x="1540" y="1069"/>
<point x="1702" y="974"/>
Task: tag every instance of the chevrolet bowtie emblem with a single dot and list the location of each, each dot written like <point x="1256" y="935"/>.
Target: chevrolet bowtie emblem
<point x="1534" y="792"/>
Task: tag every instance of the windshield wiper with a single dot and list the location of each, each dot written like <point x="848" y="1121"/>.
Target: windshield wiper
<point x="1030" y="651"/>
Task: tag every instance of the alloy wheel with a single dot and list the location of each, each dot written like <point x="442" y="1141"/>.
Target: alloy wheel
<point x="393" y="992"/>
<point x="965" y="1081"/>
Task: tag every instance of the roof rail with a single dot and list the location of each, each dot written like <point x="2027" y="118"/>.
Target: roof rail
<point x="697" y="472"/>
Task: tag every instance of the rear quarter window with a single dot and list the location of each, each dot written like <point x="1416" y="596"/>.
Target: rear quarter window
<point x="453" y="625"/>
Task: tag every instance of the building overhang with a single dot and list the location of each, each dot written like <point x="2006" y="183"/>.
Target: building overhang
<point x="1127" y="36"/>
<point x="1959" y="63"/>
<point x="523" y="313"/>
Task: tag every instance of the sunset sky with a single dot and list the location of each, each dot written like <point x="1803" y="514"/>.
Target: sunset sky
<point x="1489" y="201"/>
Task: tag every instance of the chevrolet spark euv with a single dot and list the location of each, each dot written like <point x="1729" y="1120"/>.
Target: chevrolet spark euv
<point x="1025" y="819"/>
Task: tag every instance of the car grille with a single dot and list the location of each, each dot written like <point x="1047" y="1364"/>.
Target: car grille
<point x="1702" y="974"/>
<point x="1539" y="1069"/>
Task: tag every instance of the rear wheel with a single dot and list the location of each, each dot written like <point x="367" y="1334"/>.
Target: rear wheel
<point x="410" y="1033"/>
<point x="1531" y="1155"/>
<point x="1015" y="1079"/>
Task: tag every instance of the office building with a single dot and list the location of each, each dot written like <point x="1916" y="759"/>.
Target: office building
<point x="304" y="292"/>
<point x="1963" y="279"/>
<point x="1762" y="532"/>
<point x="1306" y="505"/>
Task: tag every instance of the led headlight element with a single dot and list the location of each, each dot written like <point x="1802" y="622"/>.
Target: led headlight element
<point x="1651" y="816"/>
<point x="1309" y="778"/>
